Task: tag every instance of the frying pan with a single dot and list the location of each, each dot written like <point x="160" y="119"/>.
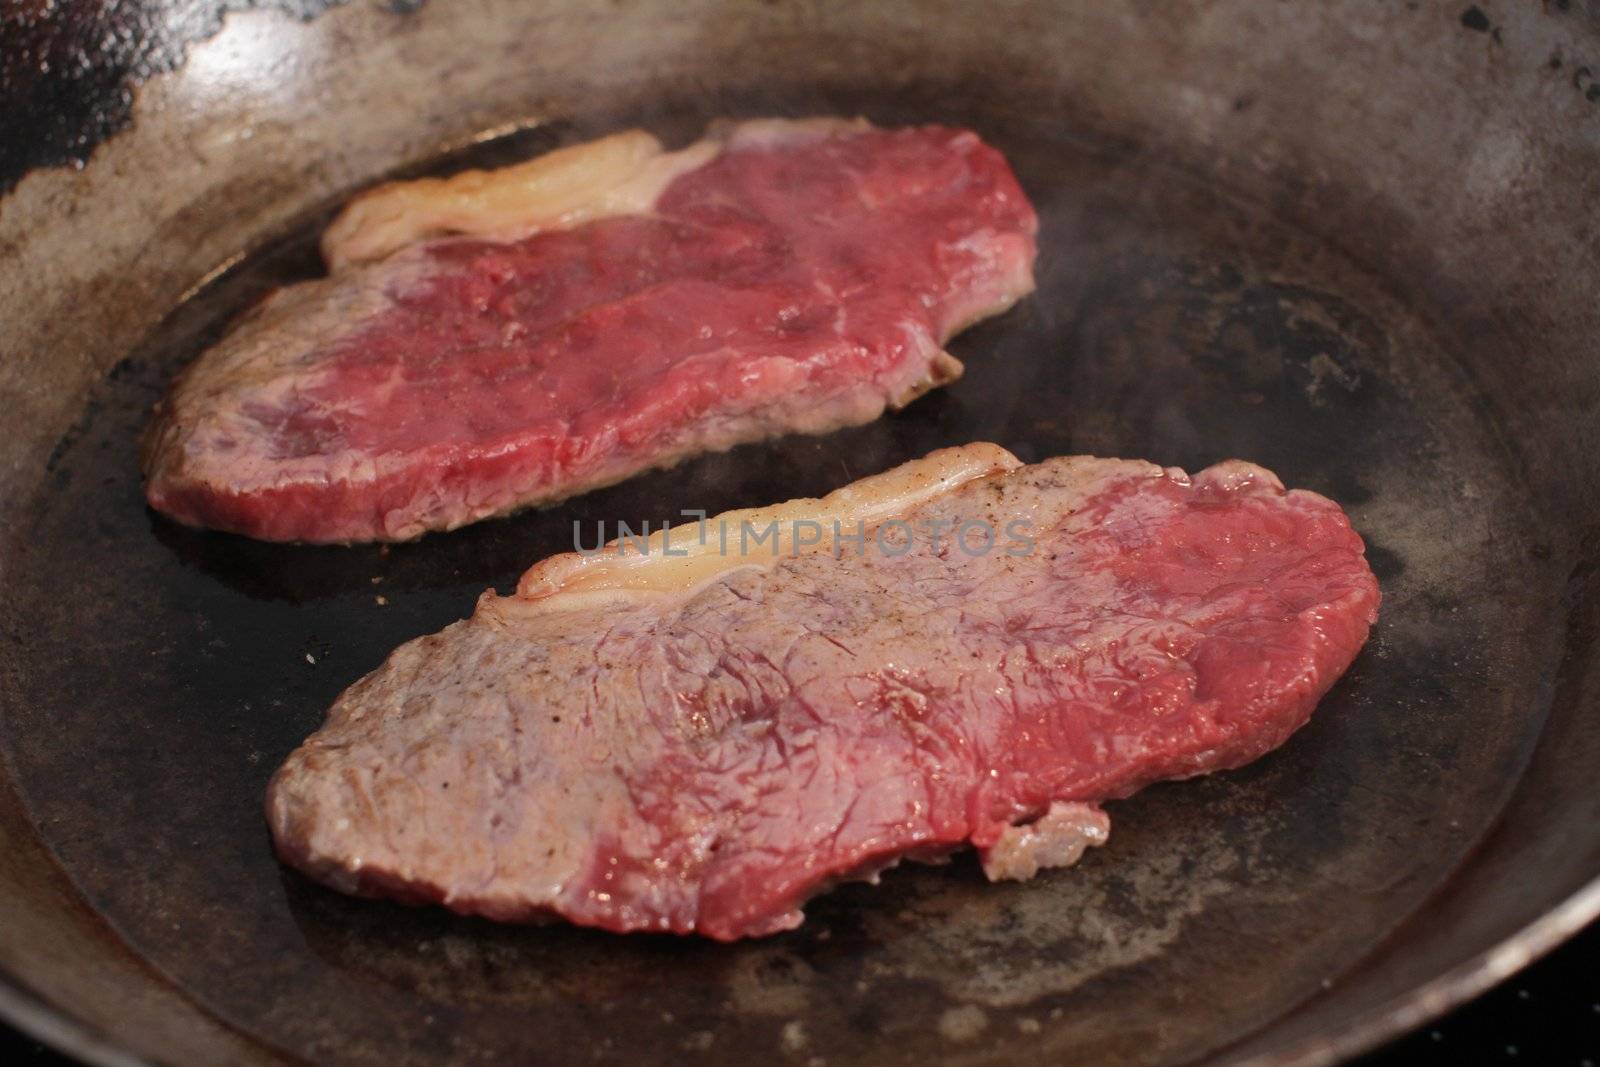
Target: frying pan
<point x="1356" y="243"/>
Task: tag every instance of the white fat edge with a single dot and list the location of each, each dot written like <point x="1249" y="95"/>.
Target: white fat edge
<point x="618" y="573"/>
<point x="774" y="132"/>
<point x="1059" y="838"/>
<point x="620" y="174"/>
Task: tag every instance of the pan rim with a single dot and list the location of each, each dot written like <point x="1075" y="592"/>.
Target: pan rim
<point x="1430" y="1000"/>
<point x="60" y="1030"/>
<point x="67" y="1033"/>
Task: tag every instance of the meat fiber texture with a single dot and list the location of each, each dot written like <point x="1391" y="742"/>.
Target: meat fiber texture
<point x="509" y="338"/>
<point x="700" y="745"/>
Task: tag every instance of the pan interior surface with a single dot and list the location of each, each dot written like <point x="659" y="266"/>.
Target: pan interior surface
<point x="1176" y="320"/>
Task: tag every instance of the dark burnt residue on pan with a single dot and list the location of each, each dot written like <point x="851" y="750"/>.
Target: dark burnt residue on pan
<point x="68" y="71"/>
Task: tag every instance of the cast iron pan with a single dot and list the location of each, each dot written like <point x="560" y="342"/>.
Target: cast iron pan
<point x="1355" y="246"/>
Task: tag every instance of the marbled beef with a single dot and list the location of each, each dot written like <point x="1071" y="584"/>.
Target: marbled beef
<point x="699" y="743"/>
<point x="508" y="338"/>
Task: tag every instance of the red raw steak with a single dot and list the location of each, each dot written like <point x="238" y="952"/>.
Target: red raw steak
<point x="777" y="277"/>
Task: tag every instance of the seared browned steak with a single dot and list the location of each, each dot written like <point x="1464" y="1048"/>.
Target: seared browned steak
<point x="699" y="743"/>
